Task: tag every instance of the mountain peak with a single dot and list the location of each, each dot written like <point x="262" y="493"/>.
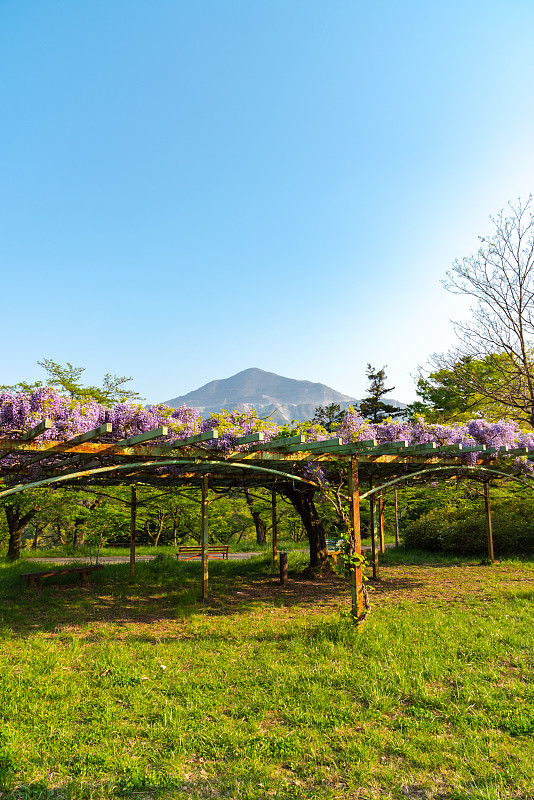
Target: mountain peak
<point x="270" y="394"/>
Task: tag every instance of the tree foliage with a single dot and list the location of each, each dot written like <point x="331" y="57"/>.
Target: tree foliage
<point x="329" y="417"/>
<point x="372" y="407"/>
<point x="67" y="379"/>
<point x="446" y="398"/>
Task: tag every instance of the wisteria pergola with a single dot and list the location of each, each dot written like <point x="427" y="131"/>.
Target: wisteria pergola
<point x="93" y="459"/>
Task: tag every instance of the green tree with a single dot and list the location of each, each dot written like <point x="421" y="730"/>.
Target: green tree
<point x="67" y="380"/>
<point x="446" y="396"/>
<point x="330" y="417"/>
<point x="373" y="407"/>
<point x="19" y="511"/>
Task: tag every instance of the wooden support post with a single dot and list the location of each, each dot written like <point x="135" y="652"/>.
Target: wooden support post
<point x="283" y="568"/>
<point x="489" y="526"/>
<point x="205" y="537"/>
<point x="133" y="525"/>
<point x="374" y="549"/>
<point x="396" y="520"/>
<point x="381" y="517"/>
<point x="274" y="525"/>
<point x="354" y="521"/>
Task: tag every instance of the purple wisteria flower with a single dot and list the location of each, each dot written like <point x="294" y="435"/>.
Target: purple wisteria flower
<point x="19" y="412"/>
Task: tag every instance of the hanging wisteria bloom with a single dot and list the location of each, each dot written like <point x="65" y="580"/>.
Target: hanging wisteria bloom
<point x="20" y="412"/>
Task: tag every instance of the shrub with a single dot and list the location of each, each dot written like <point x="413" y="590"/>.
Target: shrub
<point x="426" y="533"/>
<point x="466" y="535"/>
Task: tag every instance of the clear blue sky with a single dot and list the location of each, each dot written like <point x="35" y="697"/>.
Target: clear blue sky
<point x="191" y="189"/>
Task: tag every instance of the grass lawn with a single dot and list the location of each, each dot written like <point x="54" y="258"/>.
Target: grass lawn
<point x="144" y="550"/>
<point x="132" y="688"/>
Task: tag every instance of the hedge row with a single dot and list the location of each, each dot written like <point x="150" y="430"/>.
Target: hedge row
<point x="511" y="535"/>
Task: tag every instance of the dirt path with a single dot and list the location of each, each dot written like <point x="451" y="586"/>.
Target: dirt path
<point x="448" y="584"/>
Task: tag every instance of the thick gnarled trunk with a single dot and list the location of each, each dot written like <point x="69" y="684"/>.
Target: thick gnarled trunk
<point x="16" y="522"/>
<point x="302" y="502"/>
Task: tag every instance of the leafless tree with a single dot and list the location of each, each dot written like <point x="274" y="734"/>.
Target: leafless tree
<point x="495" y="353"/>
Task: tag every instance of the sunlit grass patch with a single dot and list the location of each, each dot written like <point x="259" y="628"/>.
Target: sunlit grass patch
<point x="132" y="687"/>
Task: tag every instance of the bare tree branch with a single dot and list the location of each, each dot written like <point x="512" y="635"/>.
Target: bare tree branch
<point x="500" y="279"/>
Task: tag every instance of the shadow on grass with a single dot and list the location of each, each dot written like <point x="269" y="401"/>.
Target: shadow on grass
<point x="35" y="791"/>
<point x="161" y="591"/>
<point x="166" y="591"/>
<point x="135" y="785"/>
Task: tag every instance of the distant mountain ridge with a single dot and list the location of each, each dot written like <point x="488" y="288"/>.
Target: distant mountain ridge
<point x="281" y="399"/>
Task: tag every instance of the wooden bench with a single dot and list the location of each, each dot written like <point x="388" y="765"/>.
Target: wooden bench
<point x="332" y="548"/>
<point x="34" y="578"/>
<point x="188" y="552"/>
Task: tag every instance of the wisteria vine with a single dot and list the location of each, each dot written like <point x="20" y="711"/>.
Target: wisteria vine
<point x="19" y="412"/>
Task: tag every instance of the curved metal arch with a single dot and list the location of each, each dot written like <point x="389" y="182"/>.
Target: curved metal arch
<point x="22" y="487"/>
<point x="471" y="467"/>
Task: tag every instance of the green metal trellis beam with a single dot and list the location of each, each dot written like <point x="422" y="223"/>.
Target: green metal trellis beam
<point x="86" y="473"/>
<point x="473" y="468"/>
<point x="470" y="467"/>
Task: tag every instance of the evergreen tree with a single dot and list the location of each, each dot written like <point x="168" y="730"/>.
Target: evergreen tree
<point x="330" y="417"/>
<point x="372" y="407"/>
